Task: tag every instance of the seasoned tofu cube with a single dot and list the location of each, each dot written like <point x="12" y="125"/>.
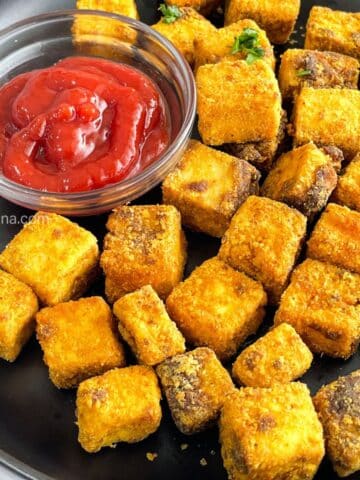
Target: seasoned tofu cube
<point x="276" y="18"/>
<point x="322" y="304"/>
<point x="263" y="241"/>
<point x="122" y="405"/>
<point x="204" y="6"/>
<point x="338" y="407"/>
<point x="303" y="178"/>
<point x="121" y="7"/>
<point x="309" y="68"/>
<point x="278" y="357"/>
<point x="208" y="186"/>
<point x="195" y="385"/>
<point x="145" y="246"/>
<point x="347" y="191"/>
<point x="145" y="325"/>
<point x="328" y="116"/>
<point x="217" y="307"/>
<point x="54" y="256"/>
<point x="334" y="31"/>
<point x="271" y="433"/>
<point x="18" y="306"/>
<point x="78" y="340"/>
<point x="234" y="98"/>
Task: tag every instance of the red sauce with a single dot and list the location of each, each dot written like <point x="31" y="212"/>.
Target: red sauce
<point x="80" y="125"/>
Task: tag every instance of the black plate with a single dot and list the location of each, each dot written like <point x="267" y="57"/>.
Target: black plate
<point x="38" y="435"/>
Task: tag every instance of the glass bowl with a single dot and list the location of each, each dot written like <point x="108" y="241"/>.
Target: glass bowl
<point x="40" y="41"/>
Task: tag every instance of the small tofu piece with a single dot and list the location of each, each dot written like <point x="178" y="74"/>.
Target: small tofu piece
<point x="122" y="405"/>
<point x="334" y="31"/>
<point x="347" y="191"/>
<point x="203" y="6"/>
<point x="309" y="68"/>
<point x="208" y="186"/>
<point x="271" y="433"/>
<point x="54" y="256"/>
<point x="18" y="306"/>
<point x="145" y="325"/>
<point x="322" y="304"/>
<point x="78" y="340"/>
<point x="195" y="385"/>
<point x="303" y="178"/>
<point x="217" y="307"/>
<point x="233" y="100"/>
<point x="263" y="241"/>
<point x="328" y="116"/>
<point x="277" y="19"/>
<point x="145" y="246"/>
<point x="338" y="407"/>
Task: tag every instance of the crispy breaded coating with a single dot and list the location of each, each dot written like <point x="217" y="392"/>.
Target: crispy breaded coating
<point x="145" y="246"/>
<point x="54" y="256"/>
<point x="204" y="6"/>
<point x="278" y="357"/>
<point x="322" y="304"/>
<point x="217" y="307"/>
<point x="195" y="385"/>
<point x="276" y="18"/>
<point x="333" y="30"/>
<point x="122" y="405"/>
<point x="271" y="433"/>
<point x="121" y="7"/>
<point x="208" y="186"/>
<point x="347" y="191"/>
<point x="338" y="407"/>
<point x="264" y="240"/>
<point x="78" y="340"/>
<point x="18" y="306"/>
<point x="303" y="178"/>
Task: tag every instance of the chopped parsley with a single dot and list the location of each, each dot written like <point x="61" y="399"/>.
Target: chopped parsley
<point x="248" y="42"/>
<point x="303" y="73"/>
<point x="170" y="13"/>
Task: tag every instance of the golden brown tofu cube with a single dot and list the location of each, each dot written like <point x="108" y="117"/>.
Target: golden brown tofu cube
<point x="234" y="98"/>
<point x="208" y="186"/>
<point x="347" y="191"/>
<point x="122" y="405"/>
<point x="334" y="31"/>
<point x="54" y="256"/>
<point x="321" y="303"/>
<point x="271" y="433"/>
<point x="278" y="357"/>
<point x="145" y="325"/>
<point x="309" y="68"/>
<point x="145" y="246"/>
<point x="328" y="116"/>
<point x="204" y="6"/>
<point x="195" y="385"/>
<point x="338" y="407"/>
<point x="276" y="18"/>
<point x="217" y="307"/>
<point x="264" y="240"/>
<point x="303" y="178"/>
<point x="18" y="306"/>
<point x="78" y="340"/>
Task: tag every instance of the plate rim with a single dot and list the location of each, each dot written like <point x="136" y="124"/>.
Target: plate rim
<point x="21" y="468"/>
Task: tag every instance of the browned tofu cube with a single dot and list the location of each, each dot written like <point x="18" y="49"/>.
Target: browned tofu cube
<point x="145" y="246"/>
<point x="334" y="31"/>
<point x="271" y="433"/>
<point x="208" y="186"/>
<point x="18" y="306"/>
<point x="122" y="405"/>
<point x="204" y="6"/>
<point x="145" y="325"/>
<point x="217" y="307"/>
<point x="195" y="385"/>
<point x="78" y="340"/>
<point x="303" y="178"/>
<point x="347" y="191"/>
<point x="264" y="240"/>
<point x="276" y="18"/>
<point x="321" y="303"/>
<point x="338" y="407"/>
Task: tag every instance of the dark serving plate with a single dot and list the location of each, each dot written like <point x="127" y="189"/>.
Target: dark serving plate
<point x="38" y="435"/>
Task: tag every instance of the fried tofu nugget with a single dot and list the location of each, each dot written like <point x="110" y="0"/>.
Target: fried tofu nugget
<point x="204" y="6"/>
<point x="271" y="433"/>
<point x="123" y="405"/>
<point x="54" y="256"/>
<point x="195" y="385"/>
<point x="338" y="407"/>
<point x="347" y="191"/>
<point x="121" y="7"/>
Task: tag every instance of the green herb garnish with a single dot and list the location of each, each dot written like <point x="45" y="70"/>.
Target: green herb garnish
<point x="248" y="42"/>
<point x="170" y="13"/>
<point x="303" y="73"/>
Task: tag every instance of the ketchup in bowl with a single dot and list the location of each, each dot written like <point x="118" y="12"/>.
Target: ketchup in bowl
<point x="80" y="125"/>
